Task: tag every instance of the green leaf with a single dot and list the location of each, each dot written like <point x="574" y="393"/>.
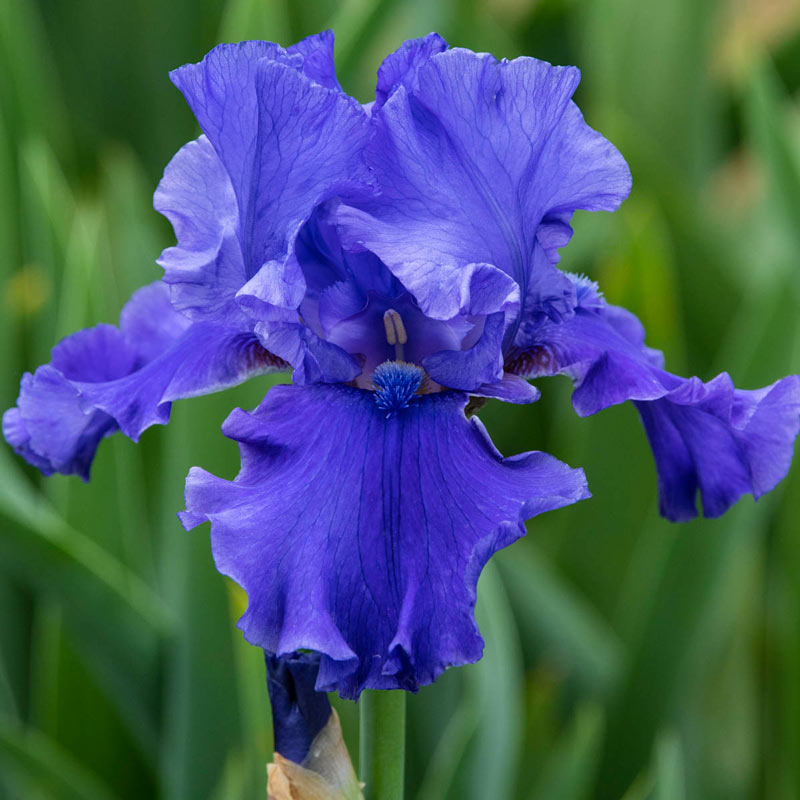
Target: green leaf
<point x="8" y="703"/>
<point x="203" y="719"/>
<point x="255" y="19"/>
<point x="38" y="763"/>
<point x="560" y="620"/>
<point x="26" y="74"/>
<point x="38" y="539"/>
<point x="81" y="266"/>
<point x="767" y="128"/>
<point x="117" y="619"/>
<point x="445" y="759"/>
<point x="569" y="772"/>
<point x="670" y="778"/>
<point x="490" y="767"/>
<point x="354" y="22"/>
<point x="51" y="204"/>
<point x="133" y="232"/>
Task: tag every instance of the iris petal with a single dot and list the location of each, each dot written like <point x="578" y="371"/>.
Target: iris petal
<point x="206" y="268"/>
<point x="402" y="67"/>
<point x="287" y="138"/>
<point x="318" y="64"/>
<point x="709" y="437"/>
<point x="721" y="441"/>
<point x="362" y="536"/>
<point x="104" y="379"/>
<point x="475" y="158"/>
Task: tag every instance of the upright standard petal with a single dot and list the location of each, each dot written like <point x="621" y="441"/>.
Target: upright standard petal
<point x="104" y="379"/>
<point x="480" y="161"/>
<point x="221" y="91"/>
<point x="206" y="268"/>
<point x="361" y="535"/>
<point x="286" y="141"/>
<point x="318" y="63"/>
<point x="401" y="67"/>
<point x="709" y="437"/>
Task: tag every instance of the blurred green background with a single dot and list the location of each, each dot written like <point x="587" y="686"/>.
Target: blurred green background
<point x="626" y="657"/>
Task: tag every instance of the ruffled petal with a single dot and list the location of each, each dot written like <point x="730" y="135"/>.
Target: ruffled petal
<point x="205" y="359"/>
<point x="720" y="441"/>
<point x="401" y="67"/>
<point x="148" y="323"/>
<point x="104" y="379"/>
<point x="49" y="427"/>
<point x="362" y="536"/>
<point x="309" y="143"/>
<point x="221" y="91"/>
<point x="206" y="268"/>
<point x="287" y="143"/>
<point x="318" y="63"/>
<point x="549" y="293"/>
<point x="476" y="159"/>
<point x="709" y="438"/>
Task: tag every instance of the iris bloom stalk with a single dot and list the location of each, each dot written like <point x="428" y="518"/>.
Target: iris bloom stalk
<point x="401" y="258"/>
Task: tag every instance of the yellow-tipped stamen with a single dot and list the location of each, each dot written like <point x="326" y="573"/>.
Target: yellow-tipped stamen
<point x="395" y="332"/>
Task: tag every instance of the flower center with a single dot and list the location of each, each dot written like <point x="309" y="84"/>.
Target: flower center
<point x="395" y="384"/>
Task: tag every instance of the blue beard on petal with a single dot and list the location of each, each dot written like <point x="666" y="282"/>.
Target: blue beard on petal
<point x="396" y="383"/>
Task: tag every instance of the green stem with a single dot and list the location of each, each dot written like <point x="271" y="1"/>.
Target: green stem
<point x="382" y="744"/>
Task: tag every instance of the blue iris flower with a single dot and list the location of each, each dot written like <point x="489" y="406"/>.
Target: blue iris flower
<point x="399" y="257"/>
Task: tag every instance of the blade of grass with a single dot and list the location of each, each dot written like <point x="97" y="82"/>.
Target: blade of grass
<point x="670" y="775"/>
<point x="490" y="767"/>
<point x="354" y="22"/>
<point x="117" y="619"/>
<point x="71" y="557"/>
<point x="79" y="264"/>
<point x="641" y="788"/>
<point x="443" y="765"/>
<point x="257" y="745"/>
<point x="27" y="76"/>
<point x="766" y="126"/>
<point x="8" y="703"/>
<point x="52" y="203"/>
<point x="203" y="719"/>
